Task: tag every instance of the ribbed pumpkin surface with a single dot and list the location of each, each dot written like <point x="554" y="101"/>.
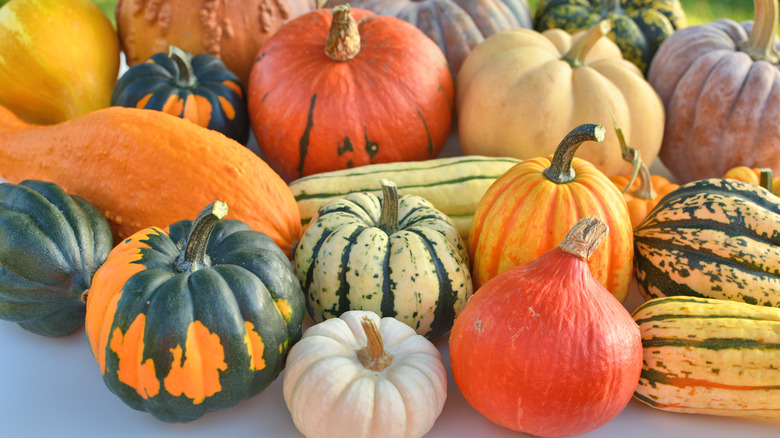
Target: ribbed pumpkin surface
<point x="709" y="356"/>
<point x="715" y="238"/>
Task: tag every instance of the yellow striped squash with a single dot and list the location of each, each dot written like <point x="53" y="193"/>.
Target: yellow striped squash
<point x="713" y="238"/>
<point x="454" y="185"/>
<point x="709" y="356"/>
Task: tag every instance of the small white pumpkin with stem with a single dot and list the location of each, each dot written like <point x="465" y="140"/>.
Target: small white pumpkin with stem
<point x="361" y="376"/>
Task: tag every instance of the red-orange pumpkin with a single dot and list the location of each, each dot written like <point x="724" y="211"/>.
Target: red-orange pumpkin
<point x="336" y="90"/>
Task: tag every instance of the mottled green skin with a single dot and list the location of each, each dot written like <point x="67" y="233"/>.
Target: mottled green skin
<point x="51" y="244"/>
<point x="638" y="26"/>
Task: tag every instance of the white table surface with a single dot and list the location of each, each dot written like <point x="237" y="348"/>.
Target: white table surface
<point x="52" y="387"/>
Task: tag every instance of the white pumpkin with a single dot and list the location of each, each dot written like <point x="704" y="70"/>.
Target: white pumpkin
<point x="361" y="376"/>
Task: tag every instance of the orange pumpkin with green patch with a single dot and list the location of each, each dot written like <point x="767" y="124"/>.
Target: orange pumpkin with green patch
<point x="195" y="318"/>
<point x="200" y="89"/>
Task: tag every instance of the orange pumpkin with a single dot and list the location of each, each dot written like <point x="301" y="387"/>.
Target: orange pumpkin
<point x="231" y="30"/>
<point x="753" y="176"/>
<point x="529" y="209"/>
<point x="344" y="89"/>
<point x="718" y="83"/>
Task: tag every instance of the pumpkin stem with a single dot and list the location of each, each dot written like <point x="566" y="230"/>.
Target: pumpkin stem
<point x="185" y="78"/>
<point x="584" y="237"/>
<point x="388" y="218"/>
<point x="560" y="170"/>
<point x="761" y="44"/>
<point x="194" y="256"/>
<point x="629" y="154"/>
<point x="765" y="180"/>
<point x="580" y="49"/>
<point x="343" y="41"/>
<point x="373" y="356"/>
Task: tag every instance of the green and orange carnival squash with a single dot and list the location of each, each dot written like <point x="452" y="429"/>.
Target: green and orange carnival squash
<point x="712" y="238"/>
<point x="520" y="91"/>
<point x="718" y="83"/>
<point x="530" y="208"/>
<point x="195" y="319"/>
<point x="638" y="26"/>
<point x="336" y="90"/>
<point x="52" y="243"/>
<point x="200" y="89"/>
<point x="397" y="257"/>
<point x="456" y="26"/>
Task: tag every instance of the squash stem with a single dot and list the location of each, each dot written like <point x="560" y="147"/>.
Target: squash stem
<point x="645" y="190"/>
<point x="584" y="237"/>
<point x="761" y="44"/>
<point x="185" y="77"/>
<point x="580" y="49"/>
<point x="343" y="41"/>
<point x="628" y="153"/>
<point x="765" y="180"/>
<point x="388" y="218"/>
<point x="194" y="256"/>
<point x="373" y="356"/>
<point x="560" y="170"/>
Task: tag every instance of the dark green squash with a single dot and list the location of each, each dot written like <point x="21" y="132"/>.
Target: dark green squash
<point x="200" y="89"/>
<point x="51" y="244"/>
<point x="638" y="26"/>
<point x="714" y="238"/>
<point x="193" y="320"/>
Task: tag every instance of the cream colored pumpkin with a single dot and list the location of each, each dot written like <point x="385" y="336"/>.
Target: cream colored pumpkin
<point x="520" y="91"/>
<point x="362" y="376"/>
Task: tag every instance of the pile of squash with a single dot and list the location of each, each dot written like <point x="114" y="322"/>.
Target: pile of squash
<point x="139" y="206"/>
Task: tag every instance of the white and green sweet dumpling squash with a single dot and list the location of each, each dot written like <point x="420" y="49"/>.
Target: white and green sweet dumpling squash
<point x="398" y="257"/>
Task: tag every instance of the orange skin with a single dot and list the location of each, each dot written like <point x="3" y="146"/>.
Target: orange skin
<point x="145" y="168"/>
<point x="638" y="206"/>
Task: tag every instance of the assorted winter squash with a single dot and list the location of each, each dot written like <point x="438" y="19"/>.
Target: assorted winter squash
<point x="713" y="238"/>
<point x="143" y="167"/>
<point x="231" y="30"/>
<point x="520" y="91"/>
<point x="638" y="26"/>
<point x="755" y="176"/>
<point x="195" y="318"/>
<point x="717" y="82"/>
<point x="529" y="209"/>
<point x="365" y="377"/>
<point x="52" y="244"/>
<point x="709" y="356"/>
<point x="200" y="89"/>
<point x="342" y="89"/>
<point x="456" y="26"/>
<point x="543" y="348"/>
<point x="397" y="257"/>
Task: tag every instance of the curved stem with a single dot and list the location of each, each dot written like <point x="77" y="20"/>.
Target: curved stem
<point x="373" y="356"/>
<point x="388" y="219"/>
<point x="629" y="154"/>
<point x="194" y="255"/>
<point x="185" y="77"/>
<point x="343" y="41"/>
<point x="580" y="49"/>
<point x="761" y="44"/>
<point x="560" y="170"/>
<point x="765" y="180"/>
<point x="645" y="190"/>
<point x="584" y="237"/>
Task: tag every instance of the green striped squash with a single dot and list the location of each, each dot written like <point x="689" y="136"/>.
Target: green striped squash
<point x="709" y="356"/>
<point x="713" y="238"/>
<point x="398" y="257"/>
<point x="454" y="185"/>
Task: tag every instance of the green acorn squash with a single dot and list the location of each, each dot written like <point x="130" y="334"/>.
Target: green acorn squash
<point x="200" y="89"/>
<point x="51" y="244"/>
<point x="195" y="319"/>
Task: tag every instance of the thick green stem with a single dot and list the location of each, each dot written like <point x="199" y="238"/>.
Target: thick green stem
<point x="388" y="218"/>
<point x="194" y="256"/>
<point x="765" y="180"/>
<point x="185" y="78"/>
<point x="343" y="41"/>
<point x="761" y="44"/>
<point x="584" y="237"/>
<point x="560" y="170"/>
<point x="580" y="49"/>
<point x="373" y="356"/>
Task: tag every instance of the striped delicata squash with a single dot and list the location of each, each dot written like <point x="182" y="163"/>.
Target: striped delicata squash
<point x="710" y="356"/>
<point x="713" y="238"/>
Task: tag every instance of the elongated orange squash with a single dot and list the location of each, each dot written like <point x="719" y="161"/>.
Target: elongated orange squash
<point x="145" y="168"/>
